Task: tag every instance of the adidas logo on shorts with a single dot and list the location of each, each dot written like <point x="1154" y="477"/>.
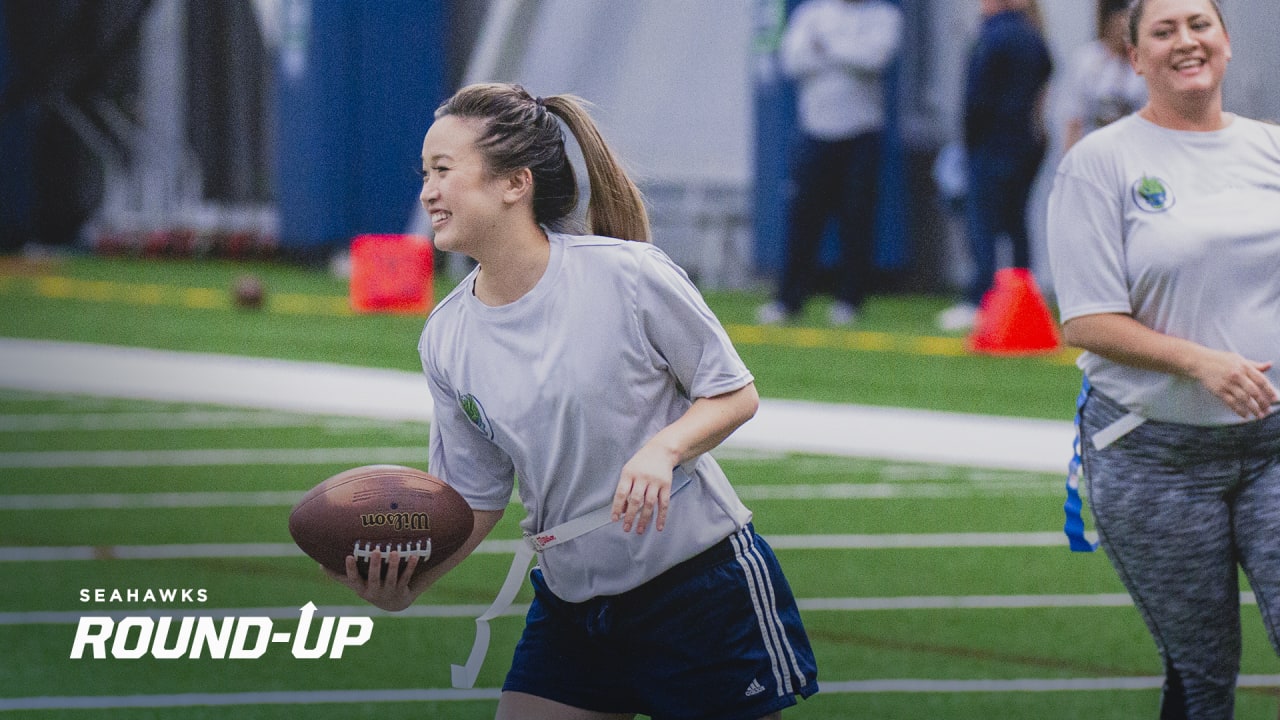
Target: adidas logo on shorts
<point x="754" y="689"/>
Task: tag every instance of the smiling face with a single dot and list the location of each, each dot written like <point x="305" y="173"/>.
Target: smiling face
<point x="1182" y="51"/>
<point x="465" y="202"/>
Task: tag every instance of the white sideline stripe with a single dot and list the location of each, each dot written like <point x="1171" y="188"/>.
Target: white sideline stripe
<point x="779" y="425"/>
<point x="778" y="542"/>
<point x="142" y="374"/>
<point x="909" y="435"/>
<point x="314" y="697"/>
<point x="194" y="458"/>
<point x="842" y="491"/>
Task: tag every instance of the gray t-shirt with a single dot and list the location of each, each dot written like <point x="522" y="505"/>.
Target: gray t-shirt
<point x="561" y="387"/>
<point x="1181" y="230"/>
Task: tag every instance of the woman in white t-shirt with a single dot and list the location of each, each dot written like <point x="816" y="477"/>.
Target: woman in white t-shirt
<point x="1101" y="86"/>
<point x="591" y="369"/>
<point x="1164" y="238"/>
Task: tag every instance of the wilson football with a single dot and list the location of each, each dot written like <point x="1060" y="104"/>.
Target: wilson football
<point x="384" y="507"/>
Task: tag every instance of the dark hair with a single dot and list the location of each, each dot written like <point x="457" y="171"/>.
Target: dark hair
<point x="520" y="131"/>
<point x="1137" y="7"/>
<point x="1108" y="8"/>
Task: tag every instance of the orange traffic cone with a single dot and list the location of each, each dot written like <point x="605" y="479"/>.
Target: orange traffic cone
<point x="391" y="273"/>
<point x="1014" y="318"/>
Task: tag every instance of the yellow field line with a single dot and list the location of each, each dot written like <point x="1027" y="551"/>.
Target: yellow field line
<point x="65" y="288"/>
<point x="834" y="338"/>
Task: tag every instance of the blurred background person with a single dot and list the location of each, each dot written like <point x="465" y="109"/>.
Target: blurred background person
<point x="66" y="68"/>
<point x="1005" y="139"/>
<point x="1101" y="86"/>
<point x="837" y="52"/>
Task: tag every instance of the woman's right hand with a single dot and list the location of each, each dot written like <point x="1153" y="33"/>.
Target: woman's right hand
<point x="1237" y="381"/>
<point x="393" y="593"/>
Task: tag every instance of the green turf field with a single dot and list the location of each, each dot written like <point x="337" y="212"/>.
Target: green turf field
<point x="948" y="628"/>
<point x="892" y="356"/>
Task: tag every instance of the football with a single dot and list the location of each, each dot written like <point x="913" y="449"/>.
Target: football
<point x="248" y="292"/>
<point x="383" y="507"/>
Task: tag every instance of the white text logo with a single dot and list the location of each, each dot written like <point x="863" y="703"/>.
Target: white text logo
<point x="235" y="638"/>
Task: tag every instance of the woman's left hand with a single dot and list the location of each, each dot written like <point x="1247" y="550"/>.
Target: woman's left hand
<point x="1240" y="383"/>
<point x="644" y="490"/>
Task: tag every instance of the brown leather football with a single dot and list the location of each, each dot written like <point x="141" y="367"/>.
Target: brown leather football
<point x="248" y="292"/>
<point x="385" y="507"/>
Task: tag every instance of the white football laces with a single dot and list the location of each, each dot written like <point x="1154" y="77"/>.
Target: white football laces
<point x="420" y="548"/>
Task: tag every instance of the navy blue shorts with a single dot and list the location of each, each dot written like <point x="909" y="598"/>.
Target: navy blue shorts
<point x="717" y="637"/>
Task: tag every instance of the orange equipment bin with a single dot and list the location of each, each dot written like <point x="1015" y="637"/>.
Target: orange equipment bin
<point x="391" y="273"/>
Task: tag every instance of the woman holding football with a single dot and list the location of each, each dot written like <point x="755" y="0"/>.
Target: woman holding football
<point x="588" y="366"/>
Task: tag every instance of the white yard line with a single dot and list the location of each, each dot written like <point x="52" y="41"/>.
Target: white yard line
<point x="316" y="697"/>
<point x="196" y="458"/>
<point x="58" y="553"/>
<point x="888" y="491"/>
<point x="297" y="697"/>
<point x="916" y="540"/>
<point x="976" y="602"/>
<point x="275" y="613"/>
<point x="779" y="426"/>
<point x="1025" y="685"/>
<point x="807" y="605"/>
<point x="834" y="491"/>
<point x="296" y="456"/>
<point x="175" y="420"/>
<point x="129" y="501"/>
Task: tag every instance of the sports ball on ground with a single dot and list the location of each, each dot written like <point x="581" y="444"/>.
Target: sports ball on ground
<point x="249" y="292"/>
<point x="384" y="507"/>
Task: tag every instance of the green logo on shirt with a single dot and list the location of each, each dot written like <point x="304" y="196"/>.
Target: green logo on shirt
<point x="1152" y="195"/>
<point x="474" y="411"/>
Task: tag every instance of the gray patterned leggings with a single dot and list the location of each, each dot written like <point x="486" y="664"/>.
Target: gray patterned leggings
<point x="1178" y="508"/>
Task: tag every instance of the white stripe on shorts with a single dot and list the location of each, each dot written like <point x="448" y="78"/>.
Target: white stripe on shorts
<point x="773" y="606"/>
<point x="760" y="586"/>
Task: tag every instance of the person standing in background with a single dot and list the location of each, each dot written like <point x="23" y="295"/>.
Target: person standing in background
<point x="837" y="51"/>
<point x="1101" y="86"/>
<point x="1005" y="140"/>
